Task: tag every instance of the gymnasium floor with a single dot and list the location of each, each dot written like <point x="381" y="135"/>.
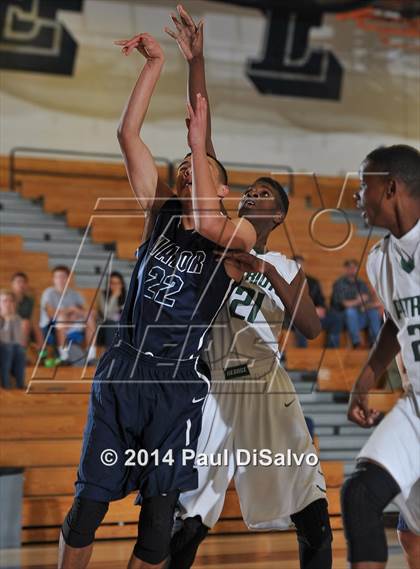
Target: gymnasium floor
<point x="254" y="551"/>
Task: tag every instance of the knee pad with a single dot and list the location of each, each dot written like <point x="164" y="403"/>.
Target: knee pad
<point x="364" y="497"/>
<point x="313" y="525"/>
<point x="155" y="527"/>
<point x="185" y="543"/>
<point x="82" y="521"/>
<point x="314" y="535"/>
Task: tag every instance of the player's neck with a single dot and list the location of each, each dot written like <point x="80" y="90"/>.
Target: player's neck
<point x="261" y="244"/>
<point x="405" y="220"/>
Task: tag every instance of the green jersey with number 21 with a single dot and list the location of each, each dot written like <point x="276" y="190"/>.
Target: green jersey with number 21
<point x="246" y="331"/>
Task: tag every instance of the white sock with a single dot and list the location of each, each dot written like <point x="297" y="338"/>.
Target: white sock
<point x="64" y="354"/>
<point x="92" y="353"/>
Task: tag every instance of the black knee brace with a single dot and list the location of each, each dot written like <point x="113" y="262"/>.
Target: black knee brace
<point x="314" y="535"/>
<point x="185" y="543"/>
<point x="155" y="526"/>
<point x="364" y="497"/>
<point x="82" y="521"/>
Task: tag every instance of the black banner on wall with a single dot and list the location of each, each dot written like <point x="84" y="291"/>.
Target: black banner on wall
<point x="289" y="65"/>
<point x="32" y="39"/>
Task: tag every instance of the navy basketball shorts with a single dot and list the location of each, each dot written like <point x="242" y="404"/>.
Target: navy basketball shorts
<point x="143" y="424"/>
<point x="402" y="526"/>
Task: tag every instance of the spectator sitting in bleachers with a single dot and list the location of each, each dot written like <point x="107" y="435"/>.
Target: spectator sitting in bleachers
<point x="12" y="351"/>
<point x="352" y="305"/>
<point x="110" y="305"/>
<point x="331" y="325"/>
<point x="64" y="317"/>
<point x="25" y="307"/>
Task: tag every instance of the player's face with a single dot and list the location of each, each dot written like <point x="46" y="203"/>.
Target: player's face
<point x="183" y="183"/>
<point x="259" y="200"/>
<point x="370" y="197"/>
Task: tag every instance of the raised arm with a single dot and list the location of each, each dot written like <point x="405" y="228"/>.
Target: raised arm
<point x="140" y="165"/>
<point x="208" y="219"/>
<point x="189" y="38"/>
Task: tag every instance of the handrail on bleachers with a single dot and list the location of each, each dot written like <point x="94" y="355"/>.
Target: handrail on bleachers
<point x="268" y="169"/>
<point x="49" y="152"/>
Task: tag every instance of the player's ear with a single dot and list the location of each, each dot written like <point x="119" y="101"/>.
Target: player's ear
<point x="222" y="191"/>
<point x="278" y="217"/>
<point x="392" y="187"/>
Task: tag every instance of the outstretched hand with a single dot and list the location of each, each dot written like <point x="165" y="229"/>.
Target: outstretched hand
<point x="145" y="44"/>
<point x="197" y="123"/>
<point x="188" y="36"/>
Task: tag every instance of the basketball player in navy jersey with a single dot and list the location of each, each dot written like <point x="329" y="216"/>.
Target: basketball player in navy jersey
<point x="244" y="348"/>
<point x="149" y="386"/>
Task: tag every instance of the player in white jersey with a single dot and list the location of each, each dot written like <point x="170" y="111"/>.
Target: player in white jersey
<point x="388" y="466"/>
<point x="254" y="404"/>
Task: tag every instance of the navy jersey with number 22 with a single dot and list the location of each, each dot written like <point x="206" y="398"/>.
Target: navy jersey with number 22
<point x="177" y="288"/>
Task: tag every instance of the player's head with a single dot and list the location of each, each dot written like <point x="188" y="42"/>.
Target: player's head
<point x="389" y="178"/>
<point x="350" y="268"/>
<point x="265" y="201"/>
<point x="60" y="274"/>
<point x="183" y="182"/>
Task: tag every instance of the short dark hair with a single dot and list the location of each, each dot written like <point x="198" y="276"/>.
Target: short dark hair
<point x="282" y="198"/>
<point x="222" y="170"/>
<point x="62" y="268"/>
<point x="400" y="161"/>
<point x="21" y="275"/>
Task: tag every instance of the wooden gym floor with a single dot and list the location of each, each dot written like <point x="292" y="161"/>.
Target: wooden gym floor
<point x="252" y="551"/>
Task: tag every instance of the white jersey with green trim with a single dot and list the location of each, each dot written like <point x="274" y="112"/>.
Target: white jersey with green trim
<point x="246" y="332"/>
<point x="393" y="268"/>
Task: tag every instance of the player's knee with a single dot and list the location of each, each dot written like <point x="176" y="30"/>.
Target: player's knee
<point x="82" y="521"/>
<point x="410" y="544"/>
<point x="155" y="527"/>
<point x="313" y="525"/>
<point x="363" y="498"/>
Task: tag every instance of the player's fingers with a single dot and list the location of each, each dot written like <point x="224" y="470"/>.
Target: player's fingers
<point x="186" y="18"/>
<point x="177" y="23"/>
<point x="357" y="416"/>
<point x="171" y="33"/>
<point x="374" y="417"/>
<point x="120" y="42"/>
<point x="190" y="110"/>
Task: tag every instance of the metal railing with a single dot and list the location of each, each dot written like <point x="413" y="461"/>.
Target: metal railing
<point x="15" y="170"/>
<point x="171" y="166"/>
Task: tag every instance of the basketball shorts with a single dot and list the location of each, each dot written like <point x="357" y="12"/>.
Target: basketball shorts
<point x="143" y="421"/>
<point x="238" y="421"/>
<point x="395" y="444"/>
